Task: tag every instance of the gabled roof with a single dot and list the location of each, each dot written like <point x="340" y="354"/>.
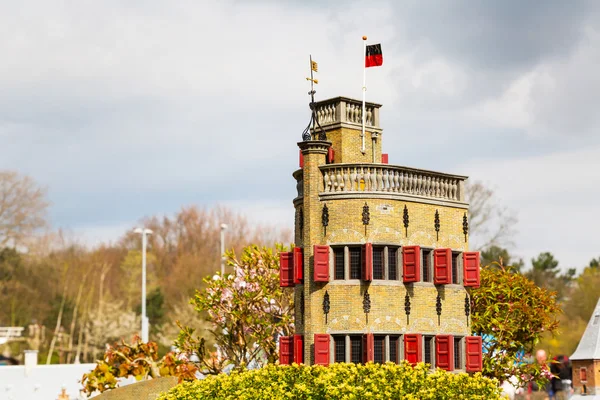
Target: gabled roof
<point x="589" y="346"/>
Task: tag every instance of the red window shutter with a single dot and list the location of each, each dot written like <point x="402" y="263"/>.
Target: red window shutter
<point x="321" y="349"/>
<point x="298" y="265"/>
<point x="367" y="262"/>
<point x="286" y="350"/>
<point x="321" y="261"/>
<point x="368" y="348"/>
<point x="444" y="352"/>
<point x="411" y="263"/>
<point x="412" y="348"/>
<point x="330" y="155"/>
<point x="384" y="158"/>
<point x="298" y="349"/>
<point x="474" y="362"/>
<point x="442" y="266"/>
<point x="286" y="269"/>
<point x="301" y="159"/>
<point x="471" y="263"/>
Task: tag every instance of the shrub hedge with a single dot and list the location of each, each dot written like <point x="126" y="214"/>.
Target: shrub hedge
<point x="338" y="381"/>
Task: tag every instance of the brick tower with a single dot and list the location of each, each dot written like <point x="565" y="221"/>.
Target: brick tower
<point x="381" y="267"/>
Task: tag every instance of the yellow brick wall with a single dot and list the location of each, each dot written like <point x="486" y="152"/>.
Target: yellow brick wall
<point x="347" y="143"/>
<point x="387" y="314"/>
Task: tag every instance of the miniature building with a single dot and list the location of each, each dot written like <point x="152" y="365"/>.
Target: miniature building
<point x="586" y="360"/>
<point x="381" y="265"/>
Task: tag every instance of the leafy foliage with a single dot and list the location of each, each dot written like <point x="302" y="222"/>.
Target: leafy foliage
<point x="512" y="313"/>
<point x="139" y="360"/>
<point x="247" y="310"/>
<point x="339" y="381"/>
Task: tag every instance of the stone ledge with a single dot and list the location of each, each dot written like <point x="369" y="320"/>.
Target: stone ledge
<point x="392" y="196"/>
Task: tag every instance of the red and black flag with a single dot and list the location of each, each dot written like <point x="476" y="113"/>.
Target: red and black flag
<point x="374" y="56"/>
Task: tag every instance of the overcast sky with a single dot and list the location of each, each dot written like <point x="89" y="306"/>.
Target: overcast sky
<point x="136" y="108"/>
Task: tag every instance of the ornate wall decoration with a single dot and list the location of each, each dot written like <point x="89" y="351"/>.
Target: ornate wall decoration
<point x="326" y="305"/>
<point x="407" y="304"/>
<point x="436" y="224"/>
<point x="405" y="220"/>
<point x="366" y="215"/>
<point x="465" y="226"/>
<point x="438" y="305"/>
<point x="367" y="304"/>
<point x="325" y="217"/>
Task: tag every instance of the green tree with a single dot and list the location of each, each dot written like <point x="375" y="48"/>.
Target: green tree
<point x="512" y="313"/>
<point x="154" y="309"/>
<point x="247" y="309"/>
<point x="546" y="273"/>
<point x="496" y="253"/>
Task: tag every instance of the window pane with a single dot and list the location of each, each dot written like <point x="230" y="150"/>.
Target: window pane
<point x="356" y="355"/>
<point x="457" y="353"/>
<point x="425" y="272"/>
<point x="427" y="354"/>
<point x="355" y="262"/>
<point x="377" y="262"/>
<point x="454" y="268"/>
<point x="379" y="349"/>
<point x="340" y="348"/>
<point x="394" y="341"/>
<point x="338" y="254"/>
<point x="392" y="264"/>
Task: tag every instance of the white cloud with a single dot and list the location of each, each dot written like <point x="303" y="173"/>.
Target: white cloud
<point x="556" y="199"/>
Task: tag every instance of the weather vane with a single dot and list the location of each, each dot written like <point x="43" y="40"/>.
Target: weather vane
<point x="306" y="135"/>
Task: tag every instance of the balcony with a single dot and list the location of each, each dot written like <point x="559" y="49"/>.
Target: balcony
<point x="346" y="181"/>
<point x="345" y="111"/>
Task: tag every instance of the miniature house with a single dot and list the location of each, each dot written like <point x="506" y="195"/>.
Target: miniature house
<point x="586" y="360"/>
<point x="381" y="269"/>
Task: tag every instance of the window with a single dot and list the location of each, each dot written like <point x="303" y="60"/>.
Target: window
<point x="379" y="349"/>
<point x="338" y="254"/>
<point x="381" y="262"/>
<point x="455" y="257"/>
<point x="458" y="353"/>
<point x="355" y="262"/>
<point x="428" y="350"/>
<point x="356" y="350"/>
<point x="378" y="262"/>
<point x="394" y="346"/>
<point x="392" y="263"/>
<point x="340" y="348"/>
<point x="426" y="272"/>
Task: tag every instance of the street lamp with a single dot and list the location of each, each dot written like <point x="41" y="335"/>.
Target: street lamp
<point x="223" y="227"/>
<point x="144" y="232"/>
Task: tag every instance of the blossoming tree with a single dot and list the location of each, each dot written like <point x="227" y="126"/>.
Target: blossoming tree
<point x="247" y="309"/>
<point x="512" y="313"/>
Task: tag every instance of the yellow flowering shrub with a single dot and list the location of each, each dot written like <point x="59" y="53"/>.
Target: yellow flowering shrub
<point x="339" y="381"/>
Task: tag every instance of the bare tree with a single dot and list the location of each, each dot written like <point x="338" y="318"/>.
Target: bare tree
<point x="23" y="208"/>
<point x="490" y="224"/>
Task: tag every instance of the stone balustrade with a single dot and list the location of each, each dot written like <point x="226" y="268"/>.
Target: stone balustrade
<point x="345" y="110"/>
<point x="390" y="179"/>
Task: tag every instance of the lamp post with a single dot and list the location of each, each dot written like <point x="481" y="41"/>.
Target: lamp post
<point x="144" y="232"/>
<point x="223" y="227"/>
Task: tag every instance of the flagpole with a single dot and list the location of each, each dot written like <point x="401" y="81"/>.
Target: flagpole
<point x="364" y="91"/>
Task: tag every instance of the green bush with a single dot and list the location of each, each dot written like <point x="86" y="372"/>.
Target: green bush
<point x="338" y="381"/>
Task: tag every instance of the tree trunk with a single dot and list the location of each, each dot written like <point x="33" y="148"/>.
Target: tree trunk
<point x="74" y="320"/>
<point x="58" y="322"/>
